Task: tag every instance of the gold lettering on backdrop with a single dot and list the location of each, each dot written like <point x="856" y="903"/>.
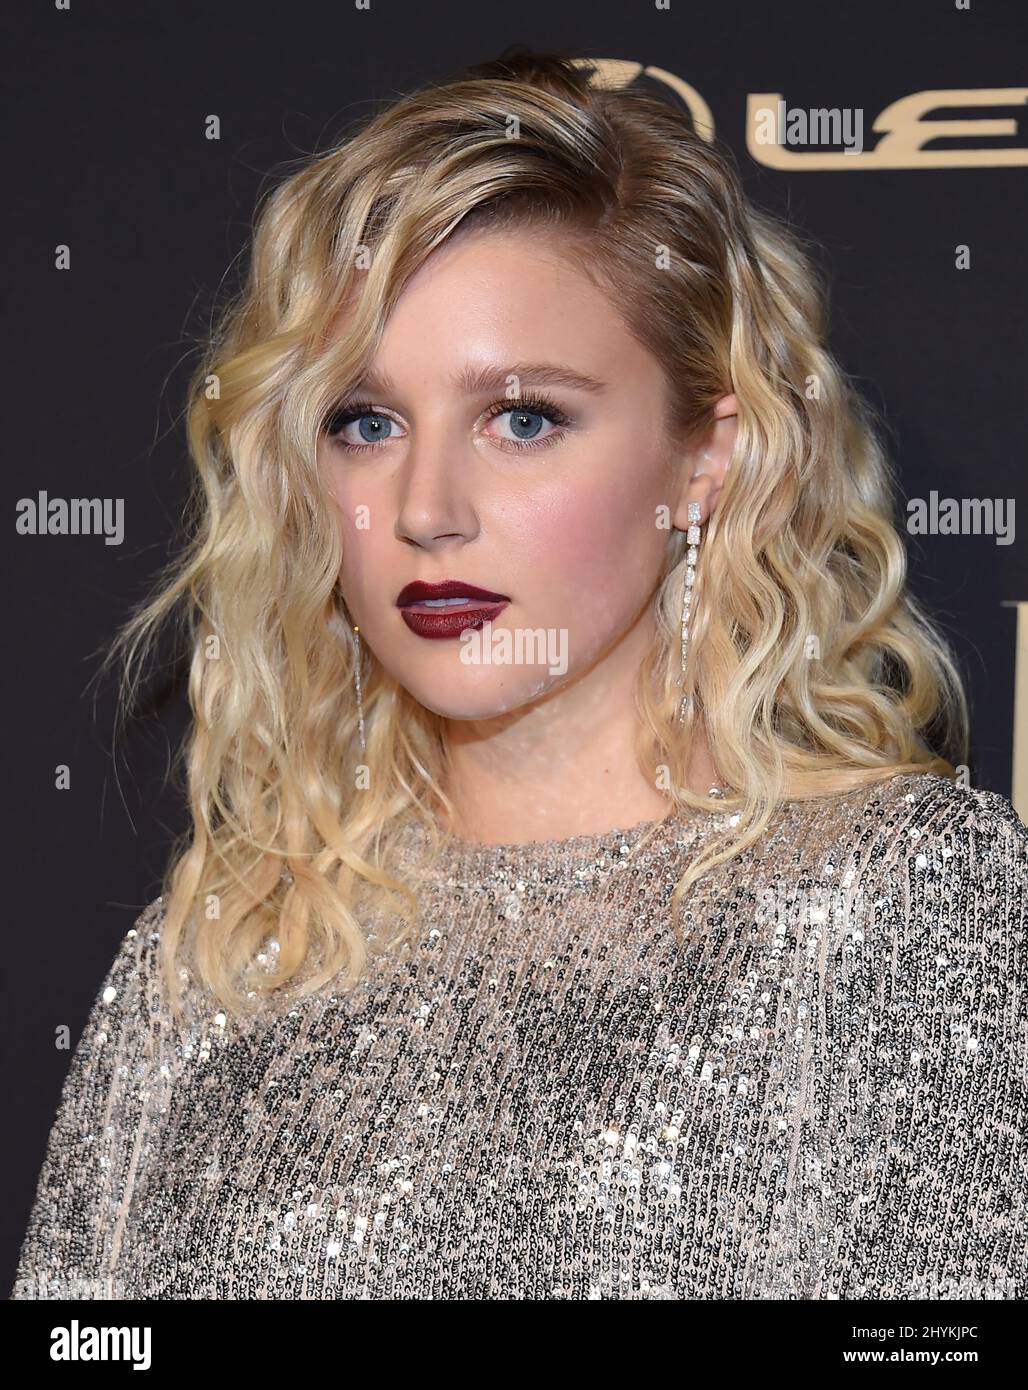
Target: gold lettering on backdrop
<point x="614" y="73"/>
<point x="904" y="134"/>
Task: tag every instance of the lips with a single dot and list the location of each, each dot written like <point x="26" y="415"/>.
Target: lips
<point x="443" y="611"/>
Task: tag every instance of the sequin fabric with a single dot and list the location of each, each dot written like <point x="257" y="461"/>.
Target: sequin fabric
<point x="817" y="1091"/>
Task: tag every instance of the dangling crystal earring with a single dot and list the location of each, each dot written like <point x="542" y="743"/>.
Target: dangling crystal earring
<point x="357" y="684"/>
<point x="693" y="538"/>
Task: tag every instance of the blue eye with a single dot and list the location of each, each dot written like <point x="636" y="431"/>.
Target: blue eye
<point x="525" y="424"/>
<point x="372" y="427"/>
<point x="526" y="420"/>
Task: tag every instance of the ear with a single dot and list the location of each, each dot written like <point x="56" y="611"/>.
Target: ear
<point x="705" y="462"/>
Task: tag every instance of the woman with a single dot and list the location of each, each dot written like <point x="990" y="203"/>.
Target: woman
<point x="581" y="899"/>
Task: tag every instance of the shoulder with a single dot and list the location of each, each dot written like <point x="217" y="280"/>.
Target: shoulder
<point x="136" y="1002"/>
<point x="930" y="954"/>
<point x="133" y="976"/>
<point x="924" y="866"/>
<point x="940" y="873"/>
<point x="139" y="947"/>
<point x="929" y="800"/>
<point x="145" y="932"/>
<point x="904" y="816"/>
<point x="929" y="822"/>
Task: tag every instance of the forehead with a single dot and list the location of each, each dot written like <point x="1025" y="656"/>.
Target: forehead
<point x="517" y="271"/>
<point x="491" y="299"/>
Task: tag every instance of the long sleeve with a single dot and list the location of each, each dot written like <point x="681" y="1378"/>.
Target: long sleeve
<point x="95" y="1147"/>
<point x="924" y="1106"/>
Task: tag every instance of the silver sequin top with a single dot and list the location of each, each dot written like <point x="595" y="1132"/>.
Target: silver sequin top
<point x="818" y="1091"/>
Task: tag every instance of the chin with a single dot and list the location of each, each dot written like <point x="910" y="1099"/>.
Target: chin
<point x="478" y="701"/>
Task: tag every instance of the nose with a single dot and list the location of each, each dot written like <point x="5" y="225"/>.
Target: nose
<point x="434" y="505"/>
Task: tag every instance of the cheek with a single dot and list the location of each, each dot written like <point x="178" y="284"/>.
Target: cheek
<point x="355" y="533"/>
<point x="365" y="574"/>
<point x="591" y="555"/>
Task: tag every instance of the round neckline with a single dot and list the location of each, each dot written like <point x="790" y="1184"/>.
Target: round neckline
<point x="574" y="857"/>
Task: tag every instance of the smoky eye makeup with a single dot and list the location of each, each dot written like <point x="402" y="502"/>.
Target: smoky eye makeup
<point x="345" y="413"/>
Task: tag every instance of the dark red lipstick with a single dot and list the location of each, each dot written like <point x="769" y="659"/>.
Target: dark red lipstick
<point x="425" y="613"/>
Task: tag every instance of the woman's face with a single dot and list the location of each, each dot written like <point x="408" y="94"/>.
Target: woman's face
<point x="550" y="508"/>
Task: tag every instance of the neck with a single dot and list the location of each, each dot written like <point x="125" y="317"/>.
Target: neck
<point x="564" y="765"/>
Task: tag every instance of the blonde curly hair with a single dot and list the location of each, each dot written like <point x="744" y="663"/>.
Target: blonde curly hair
<point x="811" y="668"/>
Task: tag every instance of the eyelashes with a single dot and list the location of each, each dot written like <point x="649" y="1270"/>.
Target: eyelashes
<point x="352" y="411"/>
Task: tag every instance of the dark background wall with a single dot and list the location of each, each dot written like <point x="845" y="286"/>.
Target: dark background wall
<point x="106" y="153"/>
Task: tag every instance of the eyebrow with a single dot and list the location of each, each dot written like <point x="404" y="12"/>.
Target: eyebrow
<point x="475" y="381"/>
